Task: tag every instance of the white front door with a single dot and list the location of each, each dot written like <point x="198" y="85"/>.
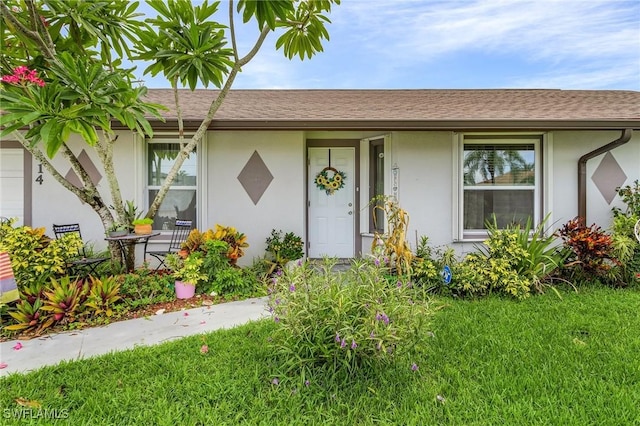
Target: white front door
<point x="12" y="184"/>
<point x="332" y="215"/>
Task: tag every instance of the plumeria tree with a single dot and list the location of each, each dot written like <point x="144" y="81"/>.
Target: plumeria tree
<point x="63" y="73"/>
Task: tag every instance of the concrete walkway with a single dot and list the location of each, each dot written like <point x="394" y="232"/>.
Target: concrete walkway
<point x="21" y="356"/>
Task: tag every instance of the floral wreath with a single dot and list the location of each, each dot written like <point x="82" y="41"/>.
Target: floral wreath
<point x="330" y="184"/>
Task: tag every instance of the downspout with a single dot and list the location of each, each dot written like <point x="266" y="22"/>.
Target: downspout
<point x="582" y="170"/>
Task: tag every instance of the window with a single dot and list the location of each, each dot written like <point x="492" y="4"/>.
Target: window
<point x="180" y="201"/>
<point x="376" y="182"/>
<point x="499" y="178"/>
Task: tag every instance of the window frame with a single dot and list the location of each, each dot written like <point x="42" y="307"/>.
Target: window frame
<point x="512" y="139"/>
<point x="376" y="147"/>
<point x="173" y="139"/>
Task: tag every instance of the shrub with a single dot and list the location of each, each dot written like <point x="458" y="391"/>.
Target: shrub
<point x="495" y="269"/>
<point x="514" y="261"/>
<point x="626" y="247"/>
<point x="34" y="256"/>
<point x="236" y="241"/>
<point x="223" y="278"/>
<point x="283" y="249"/>
<point x="630" y="195"/>
<point x="589" y="252"/>
<point x="424" y="270"/>
<point x="342" y="321"/>
<point x="428" y="267"/>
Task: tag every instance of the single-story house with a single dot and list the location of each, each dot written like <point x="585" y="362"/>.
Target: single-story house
<point x="309" y="162"/>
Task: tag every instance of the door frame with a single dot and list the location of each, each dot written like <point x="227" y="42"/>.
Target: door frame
<point x="336" y="143"/>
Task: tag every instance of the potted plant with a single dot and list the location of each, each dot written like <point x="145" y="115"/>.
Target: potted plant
<point x="117" y="230"/>
<point x="283" y="250"/>
<point x="142" y="226"/>
<point x="187" y="272"/>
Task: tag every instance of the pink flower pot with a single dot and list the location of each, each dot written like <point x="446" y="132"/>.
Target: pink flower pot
<point x="185" y="290"/>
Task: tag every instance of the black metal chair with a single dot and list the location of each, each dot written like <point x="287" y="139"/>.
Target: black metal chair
<point x="82" y="265"/>
<point x="181" y="230"/>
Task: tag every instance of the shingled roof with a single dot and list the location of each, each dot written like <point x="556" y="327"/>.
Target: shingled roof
<point x="407" y="109"/>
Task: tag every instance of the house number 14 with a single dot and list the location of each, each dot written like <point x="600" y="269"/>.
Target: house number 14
<point x="40" y="179"/>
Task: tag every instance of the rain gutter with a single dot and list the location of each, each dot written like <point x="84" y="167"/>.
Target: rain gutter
<point x="582" y="170"/>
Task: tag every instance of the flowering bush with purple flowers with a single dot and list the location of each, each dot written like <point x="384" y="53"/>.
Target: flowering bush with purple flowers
<point x="343" y="320"/>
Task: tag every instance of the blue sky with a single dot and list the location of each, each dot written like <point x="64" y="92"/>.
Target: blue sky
<point x="458" y="44"/>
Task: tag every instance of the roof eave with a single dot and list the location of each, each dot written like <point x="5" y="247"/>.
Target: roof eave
<point x="456" y="125"/>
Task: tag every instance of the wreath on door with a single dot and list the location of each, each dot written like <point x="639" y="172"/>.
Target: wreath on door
<point x="330" y="180"/>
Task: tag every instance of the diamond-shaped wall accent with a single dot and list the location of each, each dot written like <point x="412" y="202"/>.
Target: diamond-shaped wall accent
<point x="89" y="167"/>
<point x="255" y="177"/>
<point x="608" y="176"/>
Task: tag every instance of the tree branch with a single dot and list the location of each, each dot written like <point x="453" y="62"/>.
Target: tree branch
<point x="202" y="129"/>
<point x="39" y="155"/>
<point x="39" y="27"/>
<point x="26" y="32"/>
<point x="176" y="99"/>
<point x="91" y="193"/>
<point x="232" y="31"/>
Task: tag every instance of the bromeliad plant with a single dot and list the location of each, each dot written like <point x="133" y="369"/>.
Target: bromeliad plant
<point x="65" y="299"/>
<point x="103" y="295"/>
<point x="64" y="302"/>
<point x="29" y="317"/>
<point x="342" y="321"/>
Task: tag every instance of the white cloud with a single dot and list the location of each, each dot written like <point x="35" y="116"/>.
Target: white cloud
<point x="602" y="78"/>
<point x="544" y="28"/>
<point x="410" y="43"/>
<point x="598" y="35"/>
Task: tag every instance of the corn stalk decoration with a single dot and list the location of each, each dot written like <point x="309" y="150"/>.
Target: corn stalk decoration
<point x="393" y="242"/>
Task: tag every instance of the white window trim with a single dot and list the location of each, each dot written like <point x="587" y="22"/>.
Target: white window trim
<point x="542" y="146"/>
<point x="201" y="172"/>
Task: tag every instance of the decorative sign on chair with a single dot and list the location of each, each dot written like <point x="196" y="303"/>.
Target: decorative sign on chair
<point x="330" y="180"/>
<point x="8" y="287"/>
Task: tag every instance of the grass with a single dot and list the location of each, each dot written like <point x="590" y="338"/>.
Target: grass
<point x="546" y="360"/>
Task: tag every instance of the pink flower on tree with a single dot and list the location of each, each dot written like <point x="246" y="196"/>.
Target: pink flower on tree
<point x="21" y="76"/>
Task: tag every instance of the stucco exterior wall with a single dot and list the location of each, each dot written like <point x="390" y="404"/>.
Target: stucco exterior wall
<point x="280" y="207"/>
<point x="568" y="147"/>
<point x="426" y="183"/>
<point x="54" y="204"/>
<point x="425" y="173"/>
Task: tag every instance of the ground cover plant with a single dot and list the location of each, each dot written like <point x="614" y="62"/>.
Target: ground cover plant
<point x="569" y="360"/>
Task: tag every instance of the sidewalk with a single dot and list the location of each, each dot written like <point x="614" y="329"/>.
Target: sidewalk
<point x="122" y="335"/>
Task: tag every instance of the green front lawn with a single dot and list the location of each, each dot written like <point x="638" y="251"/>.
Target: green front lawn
<point x="545" y="360"/>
